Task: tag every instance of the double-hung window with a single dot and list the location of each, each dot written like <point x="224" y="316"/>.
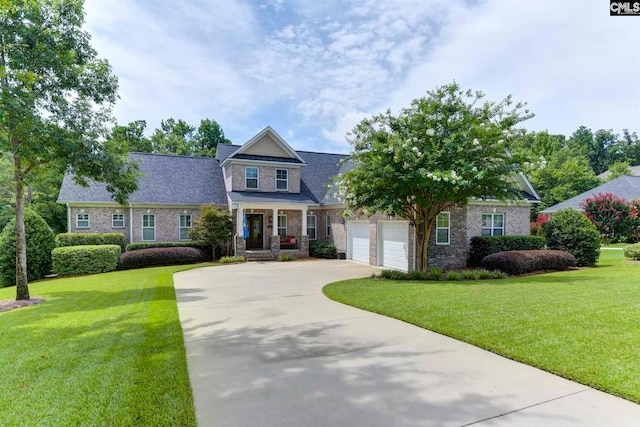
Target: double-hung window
<point x="185" y="226"/>
<point x="252" y="177"/>
<point x="148" y="228"/>
<point x="443" y="228"/>
<point x="493" y="224"/>
<point x="282" y="179"/>
<point x="312" y="227"/>
<point x="117" y="220"/>
<point x="282" y="225"/>
<point x="82" y="220"/>
<point x="328" y="231"/>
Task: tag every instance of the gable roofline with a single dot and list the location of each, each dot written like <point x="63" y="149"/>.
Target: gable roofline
<point x="532" y="191"/>
<point x="274" y="135"/>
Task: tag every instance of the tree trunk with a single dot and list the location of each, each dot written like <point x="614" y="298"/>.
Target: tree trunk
<point x="22" y="285"/>
<point x="423" y="231"/>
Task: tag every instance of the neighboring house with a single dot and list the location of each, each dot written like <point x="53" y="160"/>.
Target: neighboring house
<point x="633" y="171"/>
<point x="284" y="197"/>
<point x="625" y="187"/>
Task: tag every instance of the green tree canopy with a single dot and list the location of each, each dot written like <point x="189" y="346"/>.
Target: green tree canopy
<point x="214" y="226"/>
<point x="446" y="148"/>
<point x="55" y="97"/>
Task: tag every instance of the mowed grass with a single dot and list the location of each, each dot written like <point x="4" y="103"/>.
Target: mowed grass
<point x="583" y="325"/>
<point x="103" y="350"/>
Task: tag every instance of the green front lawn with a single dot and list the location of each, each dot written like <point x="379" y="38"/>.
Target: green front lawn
<point x="583" y="325"/>
<point x="102" y="350"/>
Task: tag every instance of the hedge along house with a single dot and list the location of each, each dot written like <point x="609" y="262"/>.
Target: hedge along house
<point x="280" y="201"/>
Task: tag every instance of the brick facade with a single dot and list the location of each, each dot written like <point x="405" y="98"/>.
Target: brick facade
<point x="167" y="221"/>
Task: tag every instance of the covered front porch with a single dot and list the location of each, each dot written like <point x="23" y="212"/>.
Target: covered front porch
<point x="264" y="232"/>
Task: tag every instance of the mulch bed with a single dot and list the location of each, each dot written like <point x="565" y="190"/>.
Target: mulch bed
<point x="10" y="304"/>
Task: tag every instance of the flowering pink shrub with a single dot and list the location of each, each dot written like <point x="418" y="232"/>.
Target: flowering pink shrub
<point x="537" y="227"/>
<point x="615" y="218"/>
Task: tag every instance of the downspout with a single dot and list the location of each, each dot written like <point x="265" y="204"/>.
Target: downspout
<point x="68" y="218"/>
<point x="130" y="223"/>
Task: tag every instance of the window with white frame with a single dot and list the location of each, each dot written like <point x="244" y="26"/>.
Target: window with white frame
<point x="493" y="224"/>
<point x="185" y="226"/>
<point x="312" y="227"/>
<point x="328" y="225"/>
<point x="282" y="225"/>
<point x="282" y="179"/>
<point x="117" y="220"/>
<point x="443" y="228"/>
<point x="148" y="228"/>
<point x="82" y="220"/>
<point x="251" y="181"/>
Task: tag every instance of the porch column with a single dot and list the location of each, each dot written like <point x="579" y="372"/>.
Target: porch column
<point x="274" y="222"/>
<point x="239" y="218"/>
<point x="304" y="221"/>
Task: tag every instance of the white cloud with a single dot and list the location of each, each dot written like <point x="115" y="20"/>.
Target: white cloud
<point x="317" y="68"/>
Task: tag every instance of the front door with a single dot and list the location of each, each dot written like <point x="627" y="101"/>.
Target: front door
<point x="254" y="223"/>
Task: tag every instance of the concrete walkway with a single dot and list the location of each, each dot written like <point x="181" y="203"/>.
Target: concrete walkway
<point x="265" y="348"/>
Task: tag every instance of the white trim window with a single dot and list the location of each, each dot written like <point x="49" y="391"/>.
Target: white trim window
<point x="117" y="220"/>
<point x="312" y="227"/>
<point x="443" y="228"/>
<point x="148" y="228"/>
<point x="83" y="220"/>
<point x="282" y="225"/>
<point x="251" y="178"/>
<point x="328" y="224"/>
<point x="493" y="224"/>
<point x="184" y="226"/>
<point x="282" y="180"/>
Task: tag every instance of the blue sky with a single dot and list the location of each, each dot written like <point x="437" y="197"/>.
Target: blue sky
<point x="312" y="69"/>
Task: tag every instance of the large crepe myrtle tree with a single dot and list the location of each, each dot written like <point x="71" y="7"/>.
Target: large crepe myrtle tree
<point x="446" y="148"/>
<point x="55" y="99"/>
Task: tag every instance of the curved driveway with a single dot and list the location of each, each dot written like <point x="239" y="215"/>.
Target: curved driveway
<point x="265" y="348"/>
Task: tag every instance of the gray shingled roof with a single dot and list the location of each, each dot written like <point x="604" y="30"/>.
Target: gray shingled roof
<point x="165" y="180"/>
<point x="626" y="187"/>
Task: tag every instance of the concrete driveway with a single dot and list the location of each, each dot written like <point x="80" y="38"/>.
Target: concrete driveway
<point x="265" y="347"/>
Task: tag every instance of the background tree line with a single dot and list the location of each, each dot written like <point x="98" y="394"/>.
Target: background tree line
<point x="561" y="167"/>
<point x="172" y="137"/>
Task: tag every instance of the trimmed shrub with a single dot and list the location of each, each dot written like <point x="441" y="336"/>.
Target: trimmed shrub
<point x="40" y="243"/>
<point x="436" y="274"/>
<point x="323" y="250"/>
<point x="571" y="231"/>
<point x="286" y="257"/>
<point x="85" y="259"/>
<point x="482" y="246"/>
<point x="632" y="251"/>
<point x="161" y="256"/>
<point x="232" y="259"/>
<point x="84" y="239"/>
<point x="191" y="244"/>
<point x="522" y="262"/>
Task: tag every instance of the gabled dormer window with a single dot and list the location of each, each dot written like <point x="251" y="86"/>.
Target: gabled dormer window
<point x="251" y="178"/>
<point x="282" y="179"/>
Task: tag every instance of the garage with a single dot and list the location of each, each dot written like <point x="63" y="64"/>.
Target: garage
<point x="358" y="241"/>
<point x="393" y="244"/>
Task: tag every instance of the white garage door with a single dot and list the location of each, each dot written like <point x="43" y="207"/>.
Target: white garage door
<point x="393" y="241"/>
<point x="358" y="241"/>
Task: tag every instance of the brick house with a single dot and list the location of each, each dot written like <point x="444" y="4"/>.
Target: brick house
<point x="282" y="196"/>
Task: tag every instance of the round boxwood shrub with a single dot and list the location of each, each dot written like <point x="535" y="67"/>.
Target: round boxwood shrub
<point x="40" y="243"/>
<point x="632" y="251"/>
<point x="571" y="231"/>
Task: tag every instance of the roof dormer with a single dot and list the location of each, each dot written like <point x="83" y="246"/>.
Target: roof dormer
<point x="266" y="146"/>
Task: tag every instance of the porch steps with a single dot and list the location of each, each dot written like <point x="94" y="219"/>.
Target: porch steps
<point x="260" y="256"/>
